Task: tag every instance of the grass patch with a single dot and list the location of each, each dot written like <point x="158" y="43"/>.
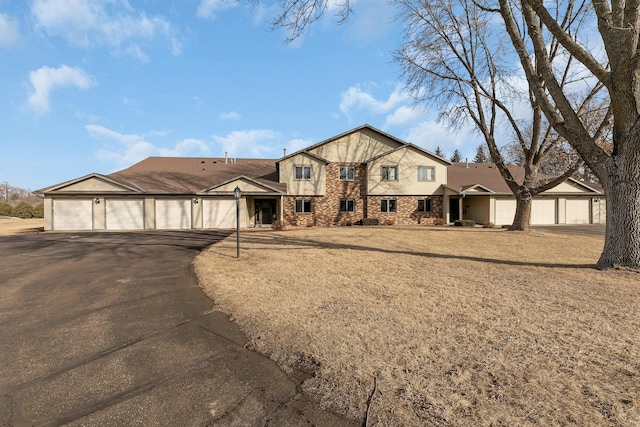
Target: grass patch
<point x="458" y="326"/>
<point x="20" y="226"/>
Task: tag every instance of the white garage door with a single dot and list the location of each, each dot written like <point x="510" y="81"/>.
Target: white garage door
<point x="543" y="211"/>
<point x="73" y="214"/>
<point x="219" y="213"/>
<point x="173" y="214"/>
<point x="125" y="214"/>
<point x="505" y="211"/>
<point x="578" y="211"/>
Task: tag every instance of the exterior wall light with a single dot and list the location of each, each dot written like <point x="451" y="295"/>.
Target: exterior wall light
<point x="97" y="200"/>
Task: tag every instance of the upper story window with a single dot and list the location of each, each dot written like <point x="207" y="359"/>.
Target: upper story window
<point x="388" y="205"/>
<point x="347" y="173"/>
<point x="424" y="205"/>
<point x="303" y="205"/>
<point x="347" y="205"/>
<point x="426" y="173"/>
<point x="303" y="172"/>
<point x="389" y="173"/>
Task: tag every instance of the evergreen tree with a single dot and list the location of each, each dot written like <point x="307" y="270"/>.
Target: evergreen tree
<point x="481" y="155"/>
<point x="439" y="152"/>
<point x="457" y="157"/>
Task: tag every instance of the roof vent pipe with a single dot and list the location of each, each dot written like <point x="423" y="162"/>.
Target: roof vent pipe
<point x="466" y="159"/>
<point x="285" y="152"/>
<point x="225" y="158"/>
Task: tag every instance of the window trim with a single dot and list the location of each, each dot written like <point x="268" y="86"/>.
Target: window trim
<point x="386" y="202"/>
<point x="302" y="174"/>
<point x="426" y="174"/>
<point x="348" y="168"/>
<point x="303" y="202"/>
<point x="426" y="201"/>
<point x="385" y="176"/>
<point x="346" y="206"/>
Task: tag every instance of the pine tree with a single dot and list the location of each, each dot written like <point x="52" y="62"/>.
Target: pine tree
<point x="457" y="157"/>
<point x="481" y="155"/>
<point x="439" y="152"/>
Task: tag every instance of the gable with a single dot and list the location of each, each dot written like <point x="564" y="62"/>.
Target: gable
<point x="94" y="183"/>
<point x="571" y="186"/>
<point x="246" y="185"/>
<point x="356" y="146"/>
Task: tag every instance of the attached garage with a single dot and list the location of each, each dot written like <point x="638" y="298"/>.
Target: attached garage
<point x="577" y="211"/>
<point x="72" y="214"/>
<point x="543" y="211"/>
<point x="124" y="214"/>
<point x="219" y="213"/>
<point x="173" y="214"/>
<point x="505" y="211"/>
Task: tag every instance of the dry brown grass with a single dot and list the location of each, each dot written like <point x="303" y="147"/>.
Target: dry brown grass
<point x="460" y="327"/>
<point x="17" y="226"/>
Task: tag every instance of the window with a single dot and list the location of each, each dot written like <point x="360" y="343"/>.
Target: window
<point x="426" y="173"/>
<point x="303" y="172"/>
<point x="424" y="205"/>
<point x="347" y="205"/>
<point x="303" y="205"/>
<point x="347" y="173"/>
<point x="389" y="173"/>
<point x="388" y="205"/>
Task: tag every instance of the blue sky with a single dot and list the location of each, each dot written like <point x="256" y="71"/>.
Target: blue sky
<point x="97" y="85"/>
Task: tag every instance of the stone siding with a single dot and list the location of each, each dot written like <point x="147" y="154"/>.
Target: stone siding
<point x="325" y="210"/>
<point x="406" y="210"/>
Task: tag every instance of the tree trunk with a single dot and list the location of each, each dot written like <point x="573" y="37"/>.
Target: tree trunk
<point x="622" y="239"/>
<point x="522" y="218"/>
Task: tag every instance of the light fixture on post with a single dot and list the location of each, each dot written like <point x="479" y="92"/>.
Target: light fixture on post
<point x="237" y="193"/>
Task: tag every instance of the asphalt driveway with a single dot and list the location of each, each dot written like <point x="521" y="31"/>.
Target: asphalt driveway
<point x="112" y="329"/>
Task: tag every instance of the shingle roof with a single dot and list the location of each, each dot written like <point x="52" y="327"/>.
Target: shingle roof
<point x="461" y="176"/>
<point x="171" y="175"/>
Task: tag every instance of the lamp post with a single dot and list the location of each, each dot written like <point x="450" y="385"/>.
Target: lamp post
<point x="236" y="194"/>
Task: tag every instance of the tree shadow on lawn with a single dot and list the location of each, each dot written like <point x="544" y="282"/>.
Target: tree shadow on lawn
<point x="273" y="240"/>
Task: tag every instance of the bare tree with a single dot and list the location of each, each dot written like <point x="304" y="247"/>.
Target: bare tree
<point x="541" y="32"/>
<point x="453" y="56"/>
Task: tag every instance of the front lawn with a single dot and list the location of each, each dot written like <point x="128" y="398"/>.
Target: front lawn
<point x="460" y="327"/>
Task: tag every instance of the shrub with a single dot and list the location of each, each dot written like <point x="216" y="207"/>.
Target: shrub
<point x="439" y="221"/>
<point x="370" y="221"/>
<point x="38" y="210"/>
<point x="23" y="210"/>
<point x="488" y="225"/>
<point x="6" y="209"/>
<point x="464" y="223"/>
<point x="348" y="223"/>
<point x="389" y="222"/>
<point x="276" y="225"/>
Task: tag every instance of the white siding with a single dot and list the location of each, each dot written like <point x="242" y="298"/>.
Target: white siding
<point x="73" y="214"/>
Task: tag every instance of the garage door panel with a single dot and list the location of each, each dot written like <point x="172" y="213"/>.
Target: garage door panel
<point x="543" y="211"/>
<point x="219" y="213"/>
<point x="125" y="214"/>
<point x="577" y="211"/>
<point x="73" y="214"/>
<point x="505" y="211"/>
<point x="173" y="214"/>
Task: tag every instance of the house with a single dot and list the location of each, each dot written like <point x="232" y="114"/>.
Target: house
<point x="362" y="173"/>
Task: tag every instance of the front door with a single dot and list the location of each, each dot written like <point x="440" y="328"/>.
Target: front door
<point x="454" y="209"/>
<point x="265" y="212"/>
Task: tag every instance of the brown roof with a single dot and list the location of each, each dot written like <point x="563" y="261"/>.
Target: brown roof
<point x="461" y="176"/>
<point x="171" y="175"/>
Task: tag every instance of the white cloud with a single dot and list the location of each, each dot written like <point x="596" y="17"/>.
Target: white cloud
<point x="357" y="99"/>
<point x="131" y="148"/>
<point x="430" y="134"/>
<point x="232" y="115"/>
<point x="9" y="31"/>
<point x="110" y="23"/>
<point x="250" y="143"/>
<point x="299" y="144"/>
<point x="46" y="79"/>
<point x="404" y="115"/>
<point x="207" y="9"/>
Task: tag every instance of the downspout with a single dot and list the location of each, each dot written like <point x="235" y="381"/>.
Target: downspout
<point x="461" y="205"/>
